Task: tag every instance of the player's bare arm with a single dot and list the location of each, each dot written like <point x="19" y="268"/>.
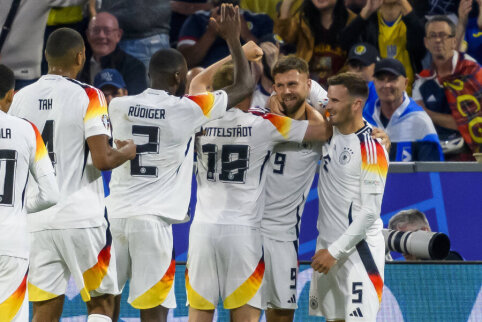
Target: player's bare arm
<point x="229" y="28"/>
<point x="204" y="80"/>
<point x="319" y="129"/>
<point x="105" y="157"/>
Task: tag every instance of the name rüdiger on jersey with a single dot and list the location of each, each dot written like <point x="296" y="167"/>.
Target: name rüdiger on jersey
<point x="149" y="113"/>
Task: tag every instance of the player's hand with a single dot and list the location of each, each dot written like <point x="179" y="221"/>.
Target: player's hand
<point x="322" y="261"/>
<point x="465" y="7"/>
<point x="383" y="136"/>
<point x="229" y="24"/>
<point x="126" y="147"/>
<point x="274" y="105"/>
<point x="252" y="51"/>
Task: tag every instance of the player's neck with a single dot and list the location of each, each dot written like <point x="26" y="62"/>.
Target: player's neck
<point x="299" y="114"/>
<point x="351" y="126"/>
<point x="63" y="71"/>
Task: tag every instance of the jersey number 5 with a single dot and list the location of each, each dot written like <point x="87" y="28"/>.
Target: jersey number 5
<point x="234" y="162"/>
<point x="8" y="164"/>
<point x="151" y="147"/>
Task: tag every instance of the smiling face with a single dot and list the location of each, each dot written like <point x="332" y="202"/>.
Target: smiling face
<point x="292" y="88"/>
<point x="390" y="87"/>
<point x="339" y="105"/>
<point x="103" y="34"/>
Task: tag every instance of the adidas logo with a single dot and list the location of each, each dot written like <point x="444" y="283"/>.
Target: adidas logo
<point x="292" y="300"/>
<point x="357" y="313"/>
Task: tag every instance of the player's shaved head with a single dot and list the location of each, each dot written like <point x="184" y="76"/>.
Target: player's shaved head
<point x="168" y="69"/>
<point x="7" y="80"/>
<point x="62" y="46"/>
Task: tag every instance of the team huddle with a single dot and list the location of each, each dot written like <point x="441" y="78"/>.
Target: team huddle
<point x="253" y="172"/>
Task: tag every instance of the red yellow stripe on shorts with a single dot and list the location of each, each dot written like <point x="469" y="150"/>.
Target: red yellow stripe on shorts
<point x="247" y="290"/>
<point x="97" y="104"/>
<point x="10" y="307"/>
<point x="195" y="299"/>
<point x="370" y="267"/>
<point x="93" y="276"/>
<point x="157" y="294"/>
<point x="41" y="150"/>
<point x="282" y="123"/>
<point x="204" y="101"/>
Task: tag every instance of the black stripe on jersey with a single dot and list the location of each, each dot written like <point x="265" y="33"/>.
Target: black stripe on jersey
<point x="295" y="243"/>
<point x="361" y="132"/>
<point x="188" y="145"/>
<point x="83" y="85"/>
<point x="367" y="258"/>
<point x="86" y="155"/>
<point x="350" y="218"/>
<point x="23" y="192"/>
<point x="266" y="158"/>
<point x="298" y="218"/>
<point x="108" y="235"/>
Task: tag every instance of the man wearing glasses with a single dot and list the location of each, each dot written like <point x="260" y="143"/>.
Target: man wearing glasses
<point x="103" y="36"/>
<point x="450" y="91"/>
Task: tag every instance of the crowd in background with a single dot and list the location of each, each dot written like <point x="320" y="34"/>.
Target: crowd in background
<point x="430" y="104"/>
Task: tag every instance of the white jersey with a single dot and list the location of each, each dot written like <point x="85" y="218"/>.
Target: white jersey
<point x="288" y="180"/>
<point x="67" y="112"/>
<point x="232" y="153"/>
<point x="21" y="150"/>
<point x="158" y="180"/>
<point x="351" y="184"/>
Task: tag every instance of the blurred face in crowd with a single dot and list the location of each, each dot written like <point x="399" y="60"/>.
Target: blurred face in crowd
<point x="339" y="105"/>
<point x="324" y="4"/>
<point x="390" y="87"/>
<point x="292" y="88"/>
<point x="439" y="40"/>
<point x="366" y="72"/>
<point x="103" y="34"/>
<point x="111" y="92"/>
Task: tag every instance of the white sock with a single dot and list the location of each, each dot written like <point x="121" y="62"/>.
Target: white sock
<point x="98" y="318"/>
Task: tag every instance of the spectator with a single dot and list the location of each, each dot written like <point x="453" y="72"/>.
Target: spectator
<point x="103" y="36"/>
<point x="181" y="10"/>
<point x="414" y="220"/>
<point x="145" y="26"/>
<point x="451" y="90"/>
<point x="394" y="28"/>
<point x="111" y="83"/>
<point x="409" y="127"/>
<point x="270" y="7"/>
<point x="22" y="42"/>
<point x="199" y="41"/>
<point x="361" y="60"/>
<point x="470" y="26"/>
<point x="318" y="36"/>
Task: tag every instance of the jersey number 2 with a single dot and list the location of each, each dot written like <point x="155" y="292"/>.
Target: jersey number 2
<point x="8" y="163"/>
<point x="151" y="147"/>
<point x="234" y="162"/>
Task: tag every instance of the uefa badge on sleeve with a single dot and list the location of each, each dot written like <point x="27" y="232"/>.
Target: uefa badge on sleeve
<point x="106" y="122"/>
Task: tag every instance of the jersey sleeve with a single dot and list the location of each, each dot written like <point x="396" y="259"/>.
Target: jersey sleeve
<point x="96" y="119"/>
<point x="207" y="107"/>
<point x="285" y="129"/>
<point x="374" y="167"/>
<point x="318" y="97"/>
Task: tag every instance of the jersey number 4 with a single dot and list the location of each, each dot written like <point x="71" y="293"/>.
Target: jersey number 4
<point x="48" y="137"/>
<point x="234" y="162"/>
<point x="8" y="164"/>
<point x="151" y="147"/>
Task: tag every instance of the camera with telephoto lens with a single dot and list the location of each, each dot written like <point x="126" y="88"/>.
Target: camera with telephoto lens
<point x="421" y="244"/>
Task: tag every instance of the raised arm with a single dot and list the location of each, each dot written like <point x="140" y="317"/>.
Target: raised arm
<point x="105" y="157"/>
<point x="229" y="28"/>
<point x="204" y="80"/>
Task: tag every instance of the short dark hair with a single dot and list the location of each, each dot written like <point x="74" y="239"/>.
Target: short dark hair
<point x="166" y="61"/>
<point x="441" y="18"/>
<point x="288" y="63"/>
<point x="354" y="83"/>
<point x="61" y="43"/>
<point x="224" y="76"/>
<point x="7" y="80"/>
<point x="408" y="217"/>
